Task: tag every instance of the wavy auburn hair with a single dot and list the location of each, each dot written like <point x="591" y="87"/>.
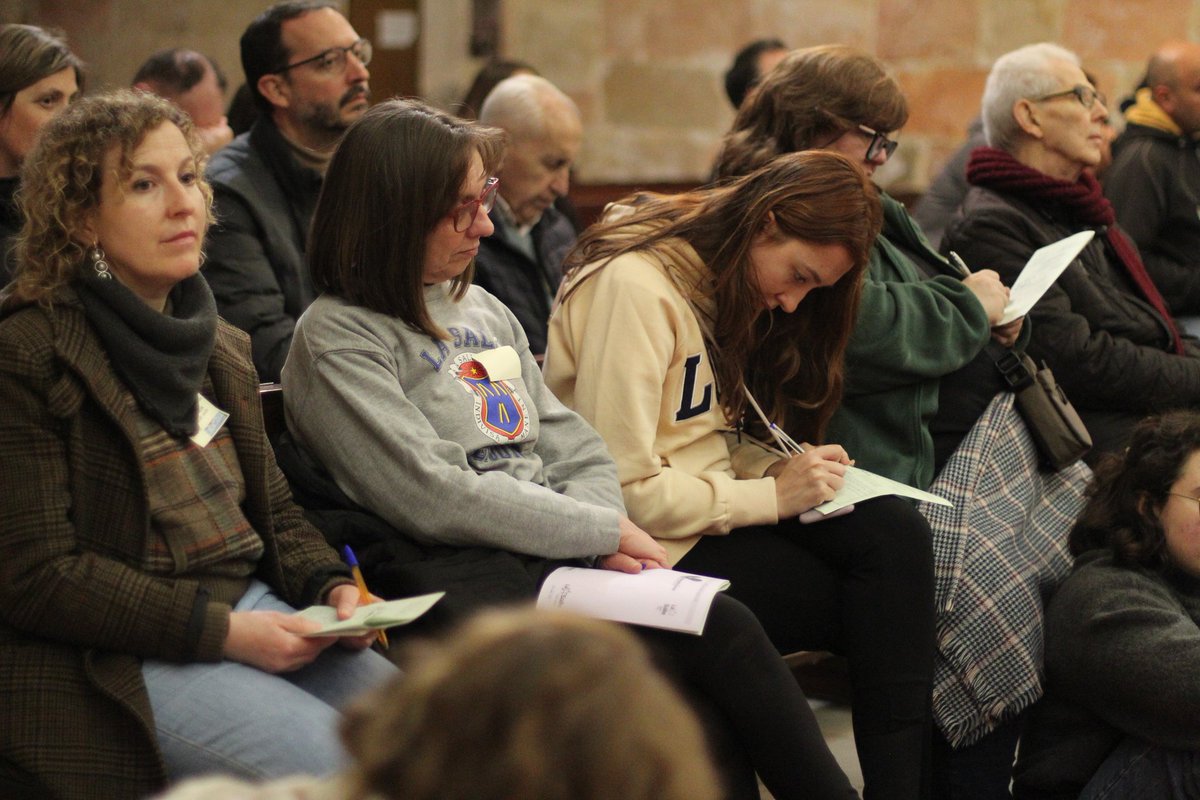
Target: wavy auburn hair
<point x="792" y="363"/>
<point x="61" y="180"/>
<point x="1129" y="490"/>
<point x="808" y="100"/>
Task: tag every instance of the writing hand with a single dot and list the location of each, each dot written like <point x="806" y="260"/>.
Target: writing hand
<point x="808" y="479"/>
<point x="991" y="293"/>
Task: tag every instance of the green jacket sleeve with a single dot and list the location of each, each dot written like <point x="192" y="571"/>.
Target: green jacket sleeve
<point x="909" y="329"/>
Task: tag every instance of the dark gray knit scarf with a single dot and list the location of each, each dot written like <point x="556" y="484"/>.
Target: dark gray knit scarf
<point x="162" y="358"/>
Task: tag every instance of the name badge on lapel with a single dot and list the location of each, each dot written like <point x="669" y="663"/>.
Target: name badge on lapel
<point x="210" y="419"/>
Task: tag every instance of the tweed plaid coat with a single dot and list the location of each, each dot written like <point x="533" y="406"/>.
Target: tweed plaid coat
<point x="76" y="616"/>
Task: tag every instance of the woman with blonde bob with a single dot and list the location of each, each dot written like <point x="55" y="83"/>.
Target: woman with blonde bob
<point x="151" y="553"/>
<point x="691" y="326"/>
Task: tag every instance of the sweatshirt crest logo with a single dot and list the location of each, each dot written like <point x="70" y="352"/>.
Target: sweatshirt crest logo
<point x="499" y="411"/>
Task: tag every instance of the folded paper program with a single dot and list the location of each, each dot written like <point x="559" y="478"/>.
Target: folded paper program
<point x="372" y="617"/>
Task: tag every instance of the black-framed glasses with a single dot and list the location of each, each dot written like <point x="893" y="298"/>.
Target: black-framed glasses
<point x="1195" y="500"/>
<point x="1086" y="95"/>
<point x="465" y="214"/>
<point x="334" y="59"/>
<point x="880" y="143"/>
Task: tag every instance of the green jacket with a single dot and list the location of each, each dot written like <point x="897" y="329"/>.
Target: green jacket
<point x="909" y="333"/>
<point x="76" y="615"/>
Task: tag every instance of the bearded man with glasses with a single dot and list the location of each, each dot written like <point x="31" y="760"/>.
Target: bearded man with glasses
<point x="307" y="70"/>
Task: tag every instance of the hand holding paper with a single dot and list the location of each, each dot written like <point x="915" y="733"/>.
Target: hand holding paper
<point x="372" y="617"/>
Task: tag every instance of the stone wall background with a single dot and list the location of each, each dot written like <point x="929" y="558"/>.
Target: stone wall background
<point x="647" y="73"/>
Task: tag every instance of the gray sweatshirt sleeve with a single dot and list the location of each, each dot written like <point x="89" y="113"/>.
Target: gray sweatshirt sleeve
<point x="348" y="409"/>
<point x="575" y="459"/>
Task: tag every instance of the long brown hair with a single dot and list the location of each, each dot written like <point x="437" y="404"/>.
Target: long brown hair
<point x="395" y="175"/>
<point x="807" y="100"/>
<point x="792" y="363"/>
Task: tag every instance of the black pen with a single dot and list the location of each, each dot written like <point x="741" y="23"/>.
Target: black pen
<point x="960" y="265"/>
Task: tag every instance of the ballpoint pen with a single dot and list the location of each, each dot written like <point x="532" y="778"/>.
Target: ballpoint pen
<point x="786" y="443"/>
<point x="960" y="265"/>
<point x="363" y="592"/>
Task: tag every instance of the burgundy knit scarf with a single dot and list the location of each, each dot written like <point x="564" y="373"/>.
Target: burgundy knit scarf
<point x="1082" y="202"/>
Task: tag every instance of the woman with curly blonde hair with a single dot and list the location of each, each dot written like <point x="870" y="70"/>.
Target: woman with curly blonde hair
<point x="151" y="553"/>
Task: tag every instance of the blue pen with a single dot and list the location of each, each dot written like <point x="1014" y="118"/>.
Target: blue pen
<point x="363" y="593"/>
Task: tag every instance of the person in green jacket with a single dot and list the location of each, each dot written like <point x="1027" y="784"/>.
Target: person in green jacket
<point x="919" y="319"/>
<point x="919" y="372"/>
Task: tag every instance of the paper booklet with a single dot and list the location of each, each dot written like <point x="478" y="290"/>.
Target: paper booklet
<point x="371" y="617"/>
<point x="863" y="485"/>
<point x="656" y="598"/>
<point x="1040" y="272"/>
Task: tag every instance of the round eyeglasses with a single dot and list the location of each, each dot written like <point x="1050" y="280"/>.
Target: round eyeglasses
<point x="1086" y="95"/>
<point x="465" y="214"/>
<point x="333" y="60"/>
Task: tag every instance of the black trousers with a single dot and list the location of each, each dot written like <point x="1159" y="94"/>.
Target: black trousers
<point x="860" y="585"/>
<point x="756" y="716"/>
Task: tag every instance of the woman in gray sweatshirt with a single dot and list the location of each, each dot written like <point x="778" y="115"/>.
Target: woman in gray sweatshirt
<point x="416" y="392"/>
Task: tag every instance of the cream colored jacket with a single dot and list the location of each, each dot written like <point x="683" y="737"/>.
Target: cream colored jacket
<point x="627" y="351"/>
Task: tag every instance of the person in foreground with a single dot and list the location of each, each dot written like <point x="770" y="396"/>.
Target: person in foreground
<point x="514" y="703"/>
<point x="1103" y="327"/>
<point x="678" y="314"/>
<point x="39" y="76"/>
<point x="418" y="394"/>
<point x="149" y="558"/>
<point x="1121" y="716"/>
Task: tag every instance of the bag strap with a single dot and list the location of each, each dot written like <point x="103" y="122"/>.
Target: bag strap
<point x="1012" y="366"/>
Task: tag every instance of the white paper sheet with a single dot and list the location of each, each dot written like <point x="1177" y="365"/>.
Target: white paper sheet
<point x="1040" y="272"/>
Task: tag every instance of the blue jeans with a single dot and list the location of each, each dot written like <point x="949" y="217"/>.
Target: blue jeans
<point x="1136" y="770"/>
<point x="235" y="719"/>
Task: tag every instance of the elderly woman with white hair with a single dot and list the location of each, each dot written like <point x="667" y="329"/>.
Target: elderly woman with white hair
<point x="1103" y="328"/>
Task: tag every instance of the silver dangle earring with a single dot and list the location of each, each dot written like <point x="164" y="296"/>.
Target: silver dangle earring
<point x="96" y="254"/>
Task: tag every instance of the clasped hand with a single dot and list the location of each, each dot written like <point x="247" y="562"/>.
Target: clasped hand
<point x="636" y="551"/>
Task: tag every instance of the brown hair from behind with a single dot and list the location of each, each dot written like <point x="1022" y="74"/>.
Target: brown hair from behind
<point x="809" y="99"/>
<point x="61" y="180"/>
<point x="792" y="363"/>
<point x="396" y="173"/>
<point x="530" y="704"/>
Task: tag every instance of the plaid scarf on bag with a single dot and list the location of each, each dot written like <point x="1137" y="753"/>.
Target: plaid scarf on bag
<point x="997" y="552"/>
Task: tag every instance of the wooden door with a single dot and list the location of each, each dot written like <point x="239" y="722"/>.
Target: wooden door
<point x="394" y="28"/>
